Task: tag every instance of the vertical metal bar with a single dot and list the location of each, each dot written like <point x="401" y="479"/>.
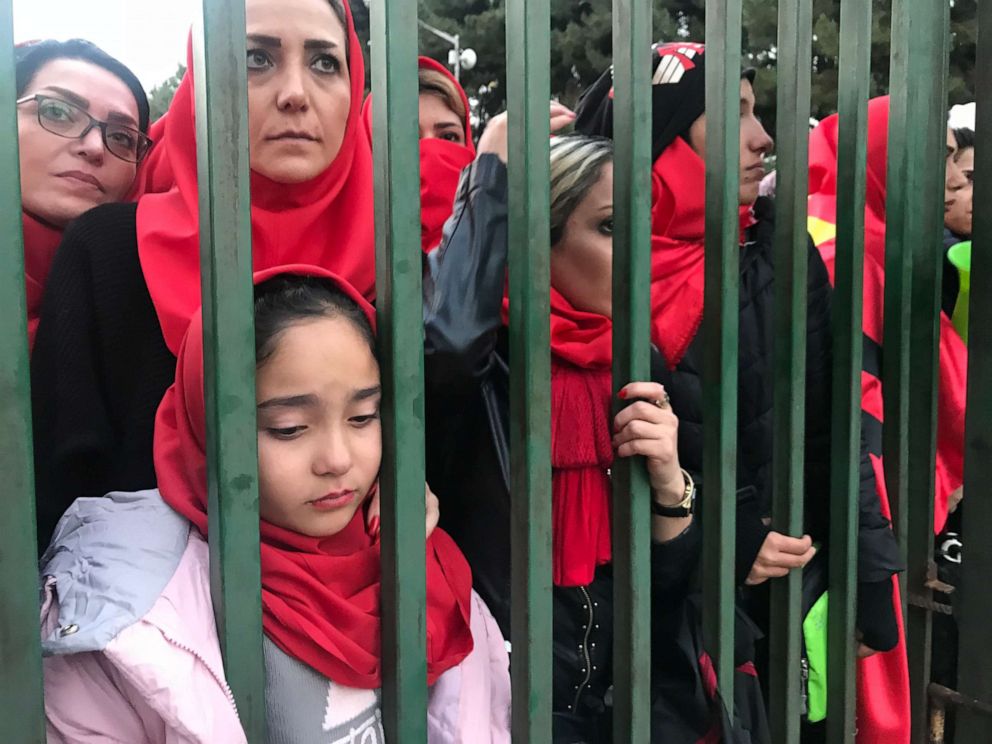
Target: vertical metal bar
<point x="399" y="303"/>
<point x="795" y="27"/>
<point x="928" y="110"/>
<point x="852" y="105"/>
<point x="975" y="652"/>
<point x="720" y="322"/>
<point x="902" y="226"/>
<point x="22" y="710"/>
<point x="229" y="352"/>
<point x="528" y="24"/>
<point x="631" y="361"/>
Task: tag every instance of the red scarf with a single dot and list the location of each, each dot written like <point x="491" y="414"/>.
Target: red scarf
<point x="40" y="243"/>
<point x="327" y="221"/>
<point x="678" y="246"/>
<point x="883" y="707"/>
<point x="441" y="165"/>
<point x="320" y="597"/>
<point x="953" y="367"/>
<point x="581" y="442"/>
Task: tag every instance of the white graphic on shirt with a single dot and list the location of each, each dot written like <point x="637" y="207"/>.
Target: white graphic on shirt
<point x="352" y="716"/>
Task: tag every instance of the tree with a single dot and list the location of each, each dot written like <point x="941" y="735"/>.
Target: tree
<point x="581" y="45"/>
<point x="161" y="95"/>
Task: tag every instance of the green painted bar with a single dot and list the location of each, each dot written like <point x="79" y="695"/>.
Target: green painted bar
<point x="720" y="321"/>
<point x="528" y="92"/>
<point x="399" y="309"/>
<point x="795" y="27"/>
<point x="852" y="105"/>
<point x="928" y="109"/>
<point x="975" y="600"/>
<point x="22" y="711"/>
<point x="229" y="352"/>
<point x="902" y="226"/>
<point x="631" y="361"/>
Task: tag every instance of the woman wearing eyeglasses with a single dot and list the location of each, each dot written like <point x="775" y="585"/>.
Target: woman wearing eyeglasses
<point x="82" y="119"/>
<point x="126" y="280"/>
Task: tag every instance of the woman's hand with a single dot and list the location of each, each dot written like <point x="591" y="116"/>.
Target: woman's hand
<point x="780" y="554"/>
<point x="649" y="428"/>
<point x="493" y="140"/>
<point x="433" y="509"/>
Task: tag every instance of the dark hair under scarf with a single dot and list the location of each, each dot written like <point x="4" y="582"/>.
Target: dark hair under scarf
<point x="678" y="95"/>
<point x="33" y="55"/>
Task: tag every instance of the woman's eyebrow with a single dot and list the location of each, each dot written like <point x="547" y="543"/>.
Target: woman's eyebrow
<point x="320" y="44"/>
<point x="289" y="401"/>
<point x="366" y="393"/>
<point x="69" y="96"/>
<point x="264" y="40"/>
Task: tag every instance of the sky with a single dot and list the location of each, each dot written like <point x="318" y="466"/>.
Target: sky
<point x="149" y="36"/>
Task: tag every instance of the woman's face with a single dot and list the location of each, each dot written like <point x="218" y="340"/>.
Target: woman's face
<point x="319" y="434"/>
<point x="299" y="87"/>
<point x="437" y="121"/>
<point x="756" y="143"/>
<point x="957" y="191"/>
<point x="60" y="177"/>
<point x="582" y="260"/>
<point x="957" y="216"/>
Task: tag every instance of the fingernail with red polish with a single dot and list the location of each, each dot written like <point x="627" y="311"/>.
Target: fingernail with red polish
<point x="622" y="394"/>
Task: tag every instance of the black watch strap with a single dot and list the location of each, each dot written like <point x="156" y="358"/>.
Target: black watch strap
<point x="670" y="511"/>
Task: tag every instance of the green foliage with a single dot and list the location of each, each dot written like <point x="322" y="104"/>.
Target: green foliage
<point x="581" y="45"/>
<point x="161" y="95"/>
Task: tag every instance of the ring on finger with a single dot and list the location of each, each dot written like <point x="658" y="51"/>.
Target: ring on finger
<point x="663" y="402"/>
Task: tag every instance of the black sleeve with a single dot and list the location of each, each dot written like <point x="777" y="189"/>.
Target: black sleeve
<point x="462" y="315"/>
<point x="72" y="430"/>
<point x="878" y="552"/>
<point x="673" y="561"/>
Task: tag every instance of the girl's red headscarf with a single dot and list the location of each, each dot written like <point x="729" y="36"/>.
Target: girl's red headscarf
<point x="441" y="165"/>
<point x="320" y="597"/>
<point x="678" y="247"/>
<point x="327" y="221"/>
<point x="953" y="366"/>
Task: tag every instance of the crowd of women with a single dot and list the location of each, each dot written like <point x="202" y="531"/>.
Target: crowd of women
<point x="110" y="214"/>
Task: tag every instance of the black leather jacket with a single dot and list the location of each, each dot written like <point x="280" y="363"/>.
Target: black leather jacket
<point x="468" y="463"/>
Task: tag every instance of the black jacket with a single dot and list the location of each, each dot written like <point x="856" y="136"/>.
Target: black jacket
<point x="467" y="377"/>
<point x="468" y="394"/>
<point x="99" y="368"/>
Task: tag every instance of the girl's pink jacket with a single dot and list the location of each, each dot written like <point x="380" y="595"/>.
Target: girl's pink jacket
<point x="131" y="648"/>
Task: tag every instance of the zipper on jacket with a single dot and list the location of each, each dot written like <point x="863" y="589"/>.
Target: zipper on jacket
<point x="584" y="648"/>
<point x="221" y="680"/>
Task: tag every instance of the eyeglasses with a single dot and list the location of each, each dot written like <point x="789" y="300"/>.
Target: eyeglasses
<point x="69" y="120"/>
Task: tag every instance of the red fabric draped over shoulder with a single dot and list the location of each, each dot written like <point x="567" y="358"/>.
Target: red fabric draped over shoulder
<point x="883" y="679"/>
<point x="320" y="597"/>
<point x="40" y="244"/>
<point x="441" y="165"/>
<point x="952" y="383"/>
<point x="678" y="242"/>
<point x="327" y="221"/>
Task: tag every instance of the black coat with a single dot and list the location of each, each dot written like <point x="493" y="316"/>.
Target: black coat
<point x="467" y="373"/>
<point x="99" y="368"/>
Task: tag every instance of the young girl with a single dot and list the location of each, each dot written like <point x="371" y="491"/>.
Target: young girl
<point x="126" y="281"/>
<point x="128" y="630"/>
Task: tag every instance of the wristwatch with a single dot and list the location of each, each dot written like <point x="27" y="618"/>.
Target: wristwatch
<point x="684" y="507"/>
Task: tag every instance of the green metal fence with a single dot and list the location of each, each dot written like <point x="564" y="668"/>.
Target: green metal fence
<point x="919" y="54"/>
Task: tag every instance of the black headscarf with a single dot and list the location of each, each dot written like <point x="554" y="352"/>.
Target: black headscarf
<point x="678" y="95"/>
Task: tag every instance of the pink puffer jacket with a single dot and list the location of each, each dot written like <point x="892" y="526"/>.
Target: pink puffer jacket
<point x="160" y="679"/>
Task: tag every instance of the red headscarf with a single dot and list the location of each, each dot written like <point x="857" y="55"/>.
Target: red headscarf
<point x="441" y="165"/>
<point x="327" y="221"/>
<point x="883" y="679"/>
<point x="953" y="366"/>
<point x="320" y="597"/>
<point x="678" y="247"/>
<point x="40" y="243"/>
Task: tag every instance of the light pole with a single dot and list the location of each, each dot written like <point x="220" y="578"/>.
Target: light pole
<point x="459" y="59"/>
